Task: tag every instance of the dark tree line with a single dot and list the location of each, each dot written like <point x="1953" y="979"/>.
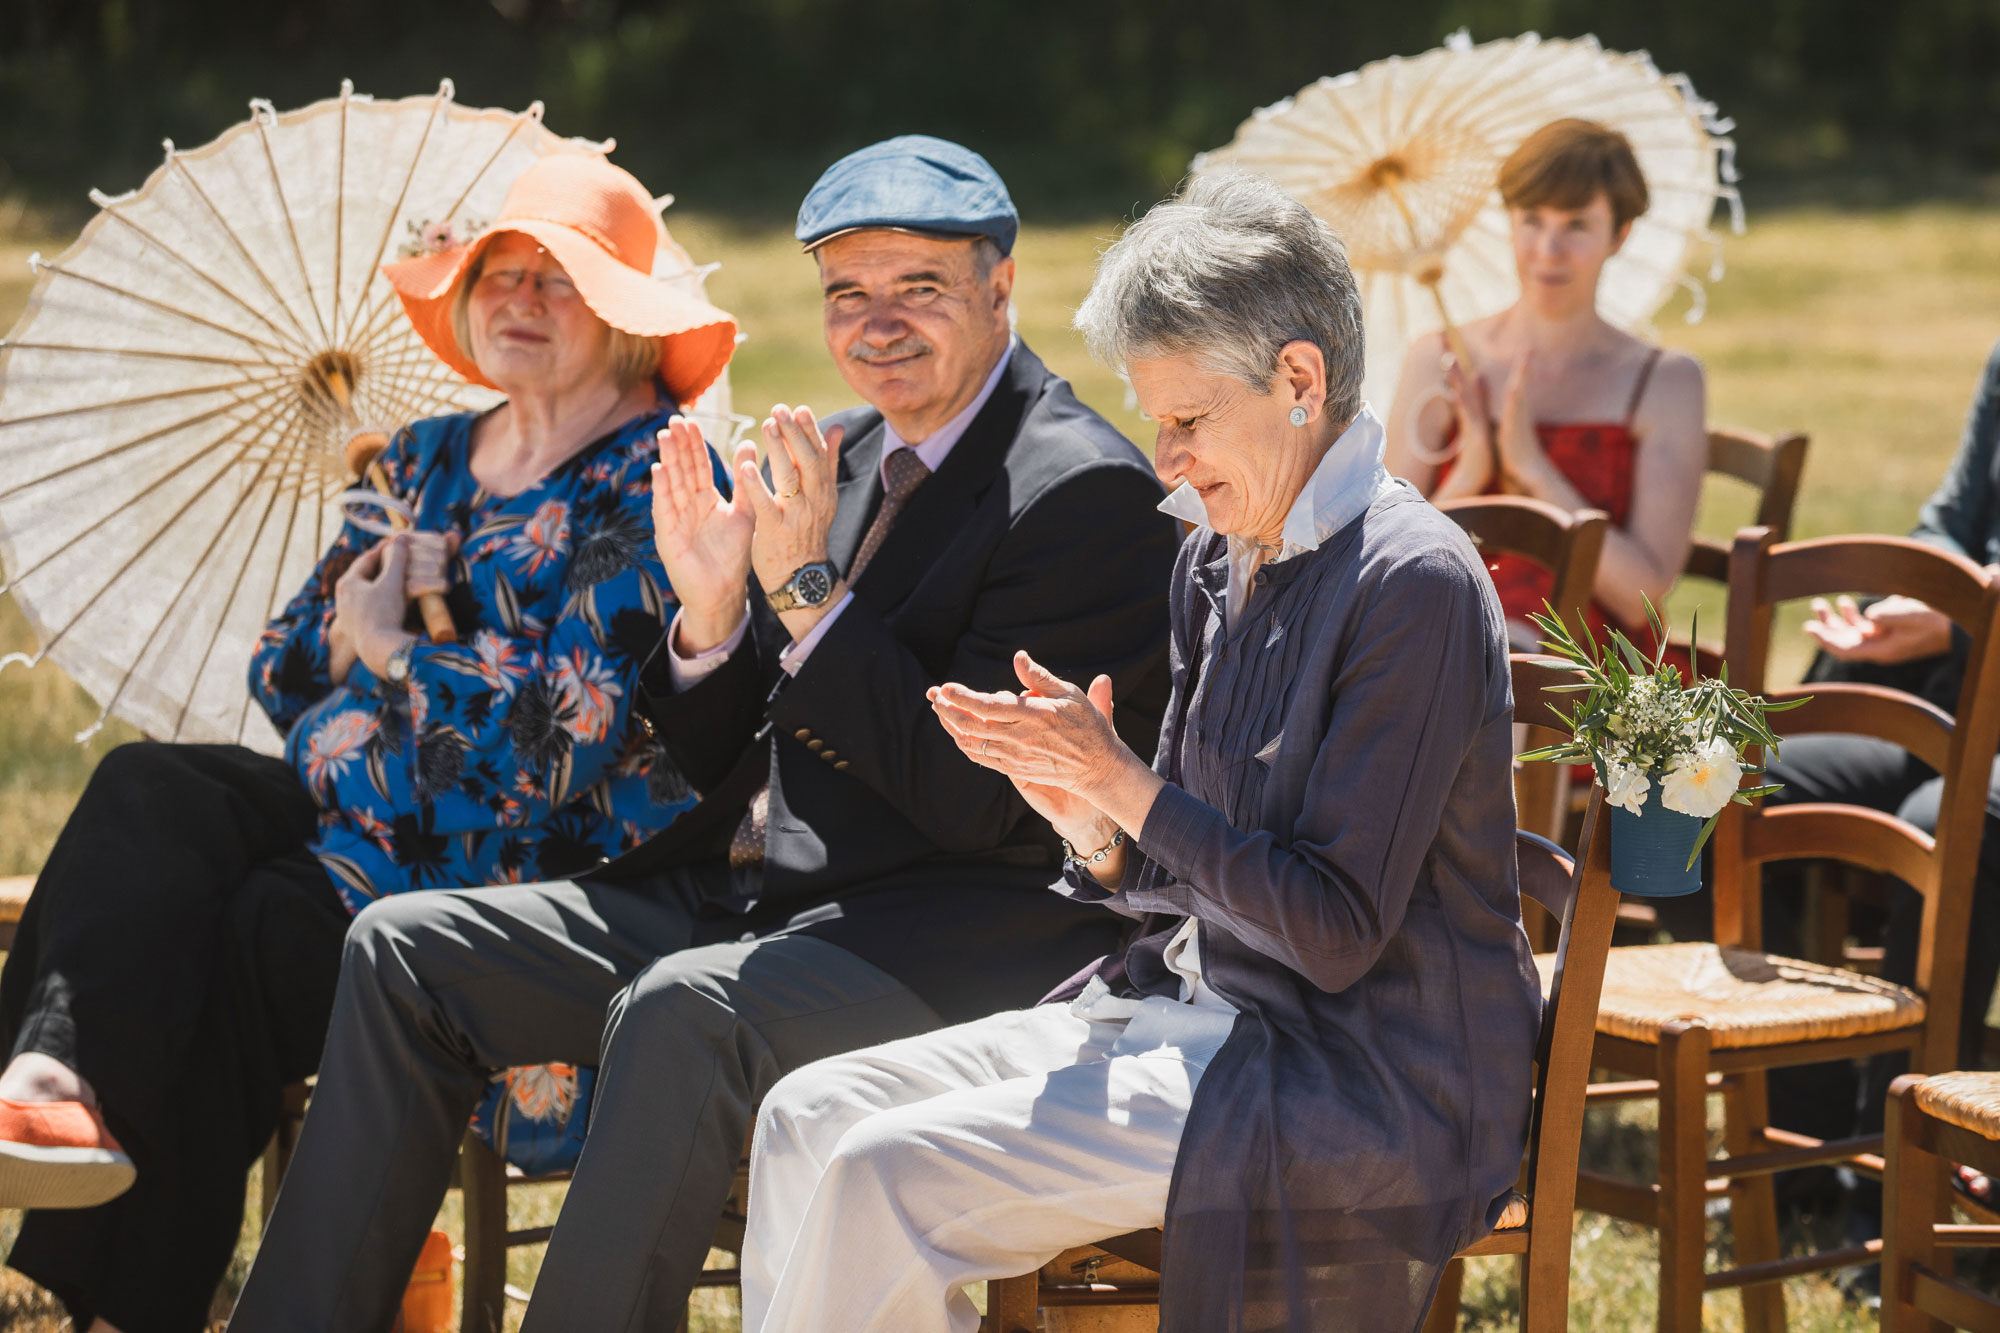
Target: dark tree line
<point x="1085" y="105"/>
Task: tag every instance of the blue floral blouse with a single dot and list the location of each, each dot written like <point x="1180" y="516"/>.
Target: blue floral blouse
<point x="514" y="755"/>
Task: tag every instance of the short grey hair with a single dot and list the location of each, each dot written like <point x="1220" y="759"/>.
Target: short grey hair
<point x="1228" y="272"/>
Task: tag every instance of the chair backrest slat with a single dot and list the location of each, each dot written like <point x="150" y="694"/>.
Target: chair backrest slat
<point x="1772" y="464"/>
<point x="1547" y="872"/>
<point x="1874" y="566"/>
<point x="1867" y="838"/>
<point x="1917" y="725"/>
<point x="1565" y="543"/>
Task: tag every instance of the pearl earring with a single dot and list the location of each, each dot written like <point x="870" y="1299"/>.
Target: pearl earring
<point x="1298" y="416"/>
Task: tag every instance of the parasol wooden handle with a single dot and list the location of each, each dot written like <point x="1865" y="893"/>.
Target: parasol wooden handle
<point x="1388" y="174"/>
<point x="364" y="453"/>
<point x="1452" y="338"/>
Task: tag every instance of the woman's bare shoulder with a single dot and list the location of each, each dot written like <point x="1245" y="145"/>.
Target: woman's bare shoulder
<point x="1677" y="382"/>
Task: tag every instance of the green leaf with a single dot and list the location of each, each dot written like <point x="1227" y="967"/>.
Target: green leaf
<point x="1631" y="654"/>
<point x="1702" y="841"/>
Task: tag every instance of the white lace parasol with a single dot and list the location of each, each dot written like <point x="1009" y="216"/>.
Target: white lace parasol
<point x="175" y="402"/>
<point x="1402" y="158"/>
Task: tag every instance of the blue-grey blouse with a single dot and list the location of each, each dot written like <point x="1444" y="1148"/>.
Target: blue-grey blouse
<point x="1340" y="820"/>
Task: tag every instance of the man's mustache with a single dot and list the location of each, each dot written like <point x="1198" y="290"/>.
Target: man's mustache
<point x="908" y="345"/>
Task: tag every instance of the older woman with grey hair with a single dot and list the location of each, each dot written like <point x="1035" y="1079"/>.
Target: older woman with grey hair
<point x="1312" y="1061"/>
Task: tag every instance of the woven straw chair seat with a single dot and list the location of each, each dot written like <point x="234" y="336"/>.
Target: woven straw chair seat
<point x="1968" y="1100"/>
<point x="1744" y="998"/>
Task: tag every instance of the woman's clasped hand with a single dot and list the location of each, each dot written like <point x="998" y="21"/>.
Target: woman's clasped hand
<point x="371" y="599"/>
<point x="1055" y="743"/>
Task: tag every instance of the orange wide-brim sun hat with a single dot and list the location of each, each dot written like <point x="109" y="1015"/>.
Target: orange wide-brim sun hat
<point x="599" y="223"/>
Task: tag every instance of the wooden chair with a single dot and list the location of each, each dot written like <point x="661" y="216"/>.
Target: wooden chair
<point x="1933" y="1123"/>
<point x="1576" y="891"/>
<point x="1689" y="1019"/>
<point x="1567" y="544"/>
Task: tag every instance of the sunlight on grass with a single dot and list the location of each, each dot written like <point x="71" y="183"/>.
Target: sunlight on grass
<point x="1865" y="330"/>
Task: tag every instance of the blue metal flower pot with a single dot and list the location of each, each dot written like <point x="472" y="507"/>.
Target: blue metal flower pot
<point x="1649" y="850"/>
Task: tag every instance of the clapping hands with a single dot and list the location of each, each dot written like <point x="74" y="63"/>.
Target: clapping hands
<point x="1053" y="740"/>
<point x="709" y="543"/>
<point x="1488" y="443"/>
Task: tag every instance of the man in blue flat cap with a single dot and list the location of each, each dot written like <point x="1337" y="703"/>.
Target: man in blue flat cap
<point x="847" y="877"/>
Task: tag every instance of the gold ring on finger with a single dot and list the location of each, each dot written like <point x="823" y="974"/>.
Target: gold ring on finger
<point x="786" y="495"/>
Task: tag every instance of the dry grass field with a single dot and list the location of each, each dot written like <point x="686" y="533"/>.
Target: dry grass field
<point x="1866" y="330"/>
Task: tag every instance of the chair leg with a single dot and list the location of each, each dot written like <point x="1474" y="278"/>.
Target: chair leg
<point x="1683" y="1175"/>
<point x="1910" y="1207"/>
<point x="1753" y="1206"/>
<point x="284" y="1142"/>
<point x="273" y="1173"/>
<point x="482" y="1179"/>
<point x="1013" y="1305"/>
<point x="1443" y="1317"/>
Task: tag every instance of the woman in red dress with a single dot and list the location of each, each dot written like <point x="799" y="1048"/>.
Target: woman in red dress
<point x="1588" y="416"/>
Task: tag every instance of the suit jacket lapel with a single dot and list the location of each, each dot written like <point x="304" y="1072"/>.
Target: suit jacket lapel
<point x="942" y="504"/>
<point x="860" y="495"/>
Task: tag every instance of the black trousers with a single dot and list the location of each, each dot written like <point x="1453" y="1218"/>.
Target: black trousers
<point x="180" y="951"/>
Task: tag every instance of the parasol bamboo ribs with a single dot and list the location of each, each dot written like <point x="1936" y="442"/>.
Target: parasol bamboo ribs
<point x="1388" y="173"/>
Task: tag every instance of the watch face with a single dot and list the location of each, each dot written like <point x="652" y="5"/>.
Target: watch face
<point x="815" y="585"/>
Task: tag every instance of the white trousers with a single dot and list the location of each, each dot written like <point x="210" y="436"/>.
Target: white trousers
<point x="884" y="1181"/>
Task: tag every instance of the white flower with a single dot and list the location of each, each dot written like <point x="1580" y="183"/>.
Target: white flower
<point x="1628" y="787"/>
<point x="1702" y="780"/>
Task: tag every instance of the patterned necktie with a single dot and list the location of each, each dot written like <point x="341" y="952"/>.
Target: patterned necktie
<point x="906" y="473"/>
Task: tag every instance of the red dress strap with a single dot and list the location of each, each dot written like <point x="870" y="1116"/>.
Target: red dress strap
<point x="1639" y="389"/>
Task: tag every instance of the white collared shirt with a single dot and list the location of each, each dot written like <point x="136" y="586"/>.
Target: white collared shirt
<point x="1347" y="480"/>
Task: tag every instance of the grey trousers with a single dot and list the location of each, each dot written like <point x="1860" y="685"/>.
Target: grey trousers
<point x="439" y="988"/>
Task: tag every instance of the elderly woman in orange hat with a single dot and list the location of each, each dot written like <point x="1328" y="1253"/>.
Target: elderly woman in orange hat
<point x="177" y="962"/>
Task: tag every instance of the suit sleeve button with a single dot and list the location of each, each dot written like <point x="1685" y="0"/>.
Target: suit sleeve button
<point x="829" y="755"/>
<point x="815" y="745"/>
<point x="803" y="734"/>
<point x="842" y="766"/>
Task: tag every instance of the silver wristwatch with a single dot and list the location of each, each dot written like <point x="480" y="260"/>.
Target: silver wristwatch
<point x="809" y="585"/>
<point x="396" y="671"/>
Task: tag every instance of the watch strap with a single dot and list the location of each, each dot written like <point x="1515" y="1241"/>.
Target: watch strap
<point x="786" y="596"/>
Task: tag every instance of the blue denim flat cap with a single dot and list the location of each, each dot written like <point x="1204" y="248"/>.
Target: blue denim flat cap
<point x="910" y="183"/>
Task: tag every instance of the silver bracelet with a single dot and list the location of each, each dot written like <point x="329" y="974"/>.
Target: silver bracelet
<point x="1071" y="854"/>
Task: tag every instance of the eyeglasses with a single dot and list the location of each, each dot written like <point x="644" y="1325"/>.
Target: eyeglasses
<point x="554" y="287"/>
